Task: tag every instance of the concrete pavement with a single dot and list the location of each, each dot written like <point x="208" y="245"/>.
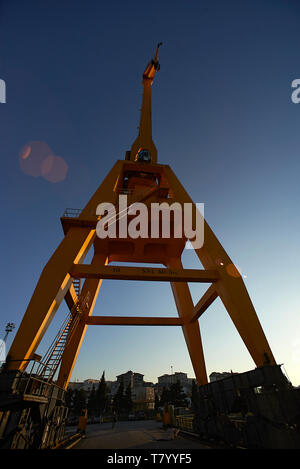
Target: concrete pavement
<point x="137" y="434"/>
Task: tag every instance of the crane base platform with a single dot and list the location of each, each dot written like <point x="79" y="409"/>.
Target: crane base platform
<point x="32" y="411"/>
<point x="258" y="409"/>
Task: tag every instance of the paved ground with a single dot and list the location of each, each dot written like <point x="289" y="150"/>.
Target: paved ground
<point x="137" y="434"/>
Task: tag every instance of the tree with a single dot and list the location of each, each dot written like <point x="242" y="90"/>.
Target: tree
<point x="177" y="396"/>
<point x="79" y="401"/>
<point x="128" y="404"/>
<point x="119" y="397"/>
<point x="91" y="405"/>
<point x="101" y="396"/>
<point x="173" y="395"/>
<point x="165" y="396"/>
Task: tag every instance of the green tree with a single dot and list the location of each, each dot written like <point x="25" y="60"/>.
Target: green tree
<point x="118" y="402"/>
<point x="101" y="396"/>
<point x="177" y="396"/>
<point x="91" y="405"/>
<point x="128" y="404"/>
<point x="173" y="395"/>
<point x="165" y="396"/>
<point x="79" y="401"/>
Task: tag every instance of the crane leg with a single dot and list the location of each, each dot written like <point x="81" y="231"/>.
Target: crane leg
<point x="55" y="280"/>
<point x="51" y="288"/>
<point x="191" y="331"/>
<point x="230" y="288"/>
<point x="72" y="348"/>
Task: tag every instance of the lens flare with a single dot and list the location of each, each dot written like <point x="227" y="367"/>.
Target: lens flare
<point x="47" y="165"/>
<point x="54" y="169"/>
<point x="37" y="159"/>
<point x="25" y="152"/>
<point x="32" y="156"/>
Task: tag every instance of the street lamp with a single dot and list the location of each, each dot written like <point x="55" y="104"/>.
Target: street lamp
<point x="9" y="328"/>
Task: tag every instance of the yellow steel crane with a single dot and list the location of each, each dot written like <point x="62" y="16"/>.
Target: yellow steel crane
<point x="32" y="403"/>
<point x="143" y="179"/>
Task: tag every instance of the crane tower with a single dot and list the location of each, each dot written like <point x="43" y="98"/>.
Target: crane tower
<point x="142" y="180"/>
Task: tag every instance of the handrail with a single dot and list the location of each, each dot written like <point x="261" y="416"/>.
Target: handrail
<point x="72" y="212"/>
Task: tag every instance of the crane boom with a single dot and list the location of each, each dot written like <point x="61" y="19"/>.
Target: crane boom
<point x="144" y="143"/>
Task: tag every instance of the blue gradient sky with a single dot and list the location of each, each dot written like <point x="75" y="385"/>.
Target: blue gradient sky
<point x="222" y="118"/>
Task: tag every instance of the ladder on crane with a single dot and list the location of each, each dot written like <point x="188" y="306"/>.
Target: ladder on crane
<point x="52" y="359"/>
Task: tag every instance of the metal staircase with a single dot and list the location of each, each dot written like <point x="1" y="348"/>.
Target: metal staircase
<point x="51" y="361"/>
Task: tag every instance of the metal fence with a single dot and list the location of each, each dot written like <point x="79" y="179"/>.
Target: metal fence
<point x="185" y="422"/>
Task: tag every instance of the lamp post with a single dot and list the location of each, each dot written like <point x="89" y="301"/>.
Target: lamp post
<point x="9" y="327"/>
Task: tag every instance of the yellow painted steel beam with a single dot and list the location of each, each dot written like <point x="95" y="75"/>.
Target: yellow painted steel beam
<point x="73" y="345"/>
<point x="133" y="321"/>
<point x="191" y="331"/>
<point x="71" y="297"/>
<point x="55" y="281"/>
<point x="69" y="222"/>
<point x="53" y="284"/>
<point x="143" y="273"/>
<point x="207" y="299"/>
